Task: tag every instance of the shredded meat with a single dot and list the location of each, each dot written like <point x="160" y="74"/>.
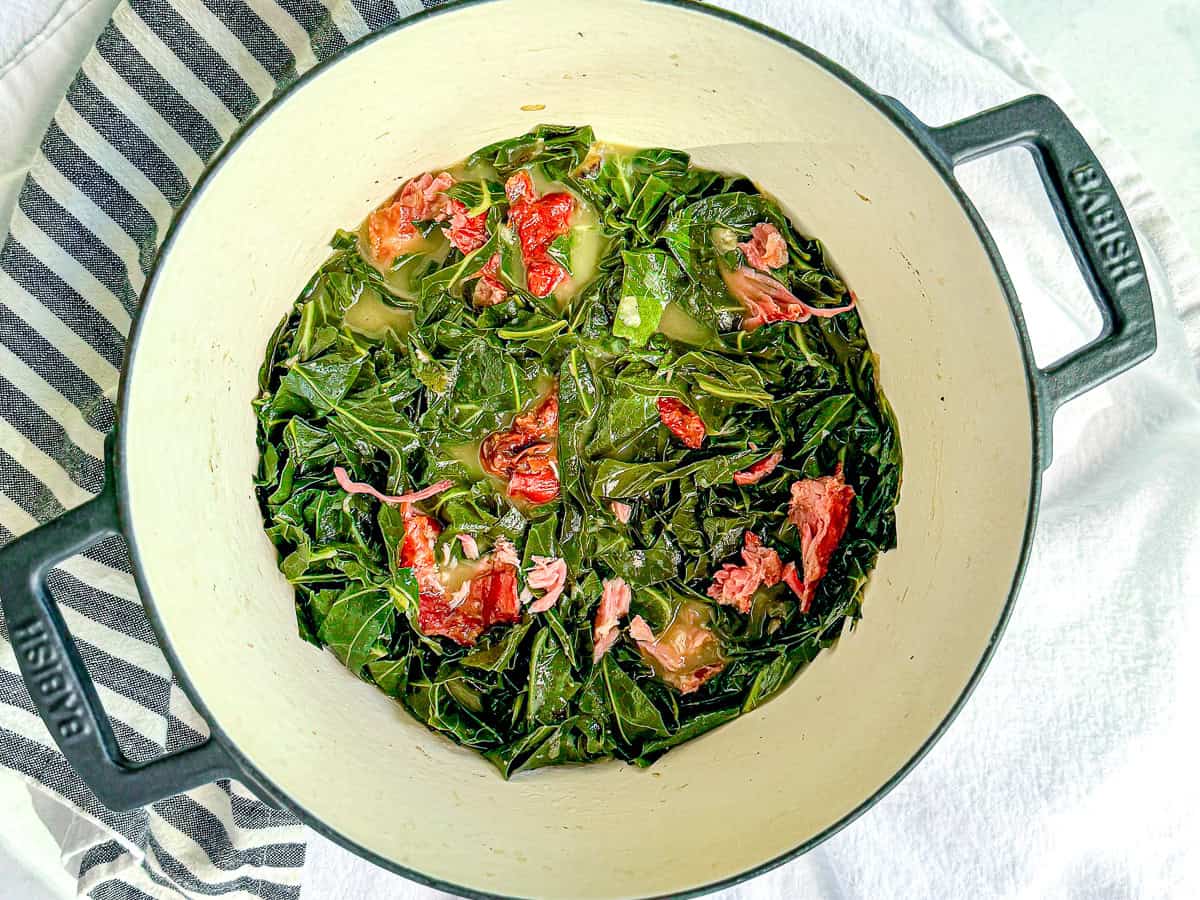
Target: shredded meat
<point x="760" y="470"/>
<point x="537" y="222"/>
<point x="685" y="655"/>
<point x="682" y="422"/>
<point x="466" y="233"/>
<point x="614" y="603"/>
<point x="735" y="585"/>
<point x="820" y="510"/>
<point x="766" y="248"/>
<point x="390" y="230"/>
<point x="358" y="487"/>
<point x="766" y="300"/>
<point x="470" y="547"/>
<point x="488" y="598"/>
<point x="548" y="574"/>
<point x="526" y="453"/>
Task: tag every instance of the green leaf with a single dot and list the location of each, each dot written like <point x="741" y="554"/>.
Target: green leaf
<point x="724" y="378"/>
<point x="636" y="716"/>
<point x="560" y="251"/>
<point x="541" y="539"/>
<point x="617" y="479"/>
<point x="449" y="280"/>
<point x="390" y="674"/>
<point x="693" y="728"/>
<point x="491" y="384"/>
<point x="822" y="419"/>
<point x="479" y="195"/>
<point x="651" y="280"/>
<point x="498" y="653"/>
<point x="551" y="686"/>
<point x="770" y="678"/>
<point x="355" y="624"/>
<point x="307" y="444"/>
<point x="369" y="425"/>
<point x="343" y="281"/>
<point x="642" y="567"/>
<point x="559" y="149"/>
<point x="434" y="375"/>
<point x="546" y="745"/>
<point x="689" y="232"/>
<point x="324" y="381"/>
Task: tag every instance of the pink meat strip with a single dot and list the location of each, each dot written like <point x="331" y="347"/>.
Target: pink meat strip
<point x="470" y="548"/>
<point x="548" y="574"/>
<point x="820" y="509"/>
<point x="672" y="660"/>
<point x="459" y="597"/>
<point x="504" y="553"/>
<point x="735" y="585"/>
<point x="424" y="197"/>
<point x="766" y="300"/>
<point x="760" y="470"/>
<point x="622" y="510"/>
<point x="674" y="655"/>
<point x="357" y="487"/>
<point x="614" y="603"/>
<point x="766" y="248"/>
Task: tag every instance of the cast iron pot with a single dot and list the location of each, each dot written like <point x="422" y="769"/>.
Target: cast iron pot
<point x="974" y="412"/>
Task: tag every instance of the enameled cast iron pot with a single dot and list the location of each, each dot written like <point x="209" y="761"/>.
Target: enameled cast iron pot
<point x="973" y="408"/>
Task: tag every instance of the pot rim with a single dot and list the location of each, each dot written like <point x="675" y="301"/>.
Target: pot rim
<point x="908" y="125"/>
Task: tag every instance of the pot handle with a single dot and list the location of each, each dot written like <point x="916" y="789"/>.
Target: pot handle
<point x="1095" y="227"/>
<point x="59" y="684"/>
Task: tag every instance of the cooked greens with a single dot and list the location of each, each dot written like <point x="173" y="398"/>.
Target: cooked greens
<point x="665" y="298"/>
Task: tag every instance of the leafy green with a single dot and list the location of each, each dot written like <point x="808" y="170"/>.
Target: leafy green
<point x="551" y="685"/>
<point x="324" y="381"/>
<point x="559" y="149"/>
<point x="406" y="409"/>
<point x="356" y="623"/>
<point x="635" y="714"/>
<point x="651" y="280"/>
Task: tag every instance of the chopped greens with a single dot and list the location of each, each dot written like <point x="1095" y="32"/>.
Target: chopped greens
<point x="610" y="358"/>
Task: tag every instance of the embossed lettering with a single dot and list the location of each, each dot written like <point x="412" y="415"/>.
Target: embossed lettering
<point x="1093" y="203"/>
<point x="48" y="682"/>
<point x="65" y="701"/>
<point x="1114" y="249"/>
<point x="1103" y="220"/>
<point x="1098" y="208"/>
<point x="69" y="728"/>
<point x="29" y="632"/>
<point x="1126" y="274"/>
<point x="39" y="655"/>
<point x="52" y="683"/>
<point x="1085" y="178"/>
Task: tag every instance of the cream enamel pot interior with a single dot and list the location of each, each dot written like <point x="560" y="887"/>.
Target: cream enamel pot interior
<point x="974" y="415"/>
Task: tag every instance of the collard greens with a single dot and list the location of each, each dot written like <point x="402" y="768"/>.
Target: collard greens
<point x="396" y="407"/>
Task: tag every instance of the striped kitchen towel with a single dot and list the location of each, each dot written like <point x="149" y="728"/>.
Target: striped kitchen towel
<point x="167" y="83"/>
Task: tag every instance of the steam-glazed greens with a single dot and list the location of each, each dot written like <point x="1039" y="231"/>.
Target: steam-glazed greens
<point x="577" y="452"/>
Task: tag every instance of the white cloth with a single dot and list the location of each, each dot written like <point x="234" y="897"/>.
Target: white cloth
<point x="42" y="43"/>
<point x="1069" y="773"/>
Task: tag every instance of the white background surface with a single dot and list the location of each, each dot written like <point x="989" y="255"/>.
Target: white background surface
<point x="1138" y="71"/>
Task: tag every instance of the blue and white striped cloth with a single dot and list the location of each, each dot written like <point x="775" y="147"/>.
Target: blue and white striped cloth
<point x="167" y="83"/>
